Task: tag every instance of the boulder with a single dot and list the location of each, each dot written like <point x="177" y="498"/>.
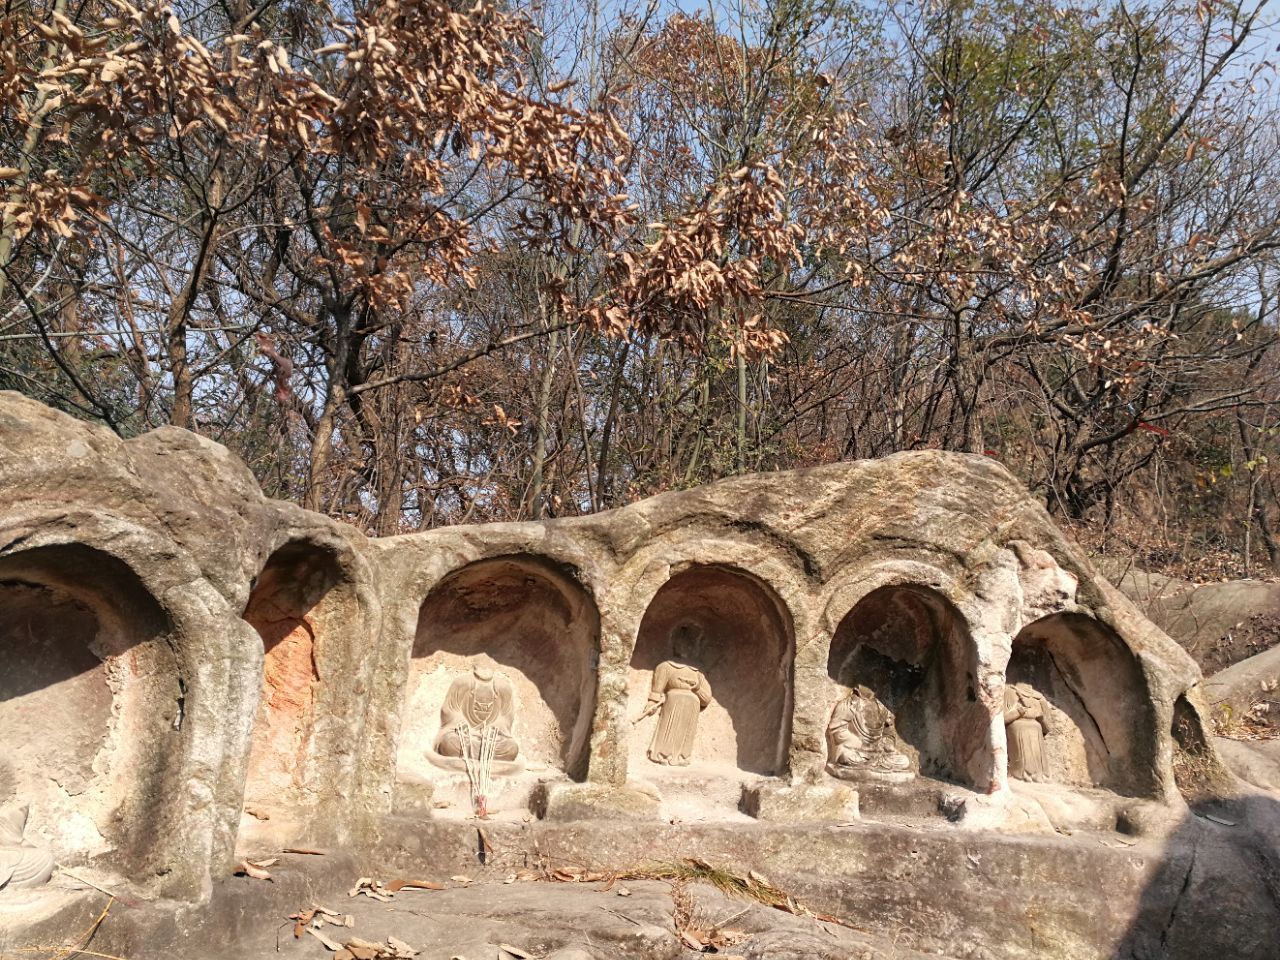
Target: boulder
<point x="1246" y="695"/>
<point x="1219" y="624"/>
<point x="198" y="658"/>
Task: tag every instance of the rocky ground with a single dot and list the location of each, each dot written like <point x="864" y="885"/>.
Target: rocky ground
<point x="1232" y="629"/>
<point x="644" y="920"/>
<point x="1219" y="624"/>
<point x="305" y="915"/>
<point x="1144" y="888"/>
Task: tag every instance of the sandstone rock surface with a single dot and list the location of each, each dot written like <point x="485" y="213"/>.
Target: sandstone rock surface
<point x="207" y="673"/>
<point x="1219" y="624"/>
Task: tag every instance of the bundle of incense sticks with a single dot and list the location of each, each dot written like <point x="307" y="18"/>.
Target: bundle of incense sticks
<point x="479" y="764"/>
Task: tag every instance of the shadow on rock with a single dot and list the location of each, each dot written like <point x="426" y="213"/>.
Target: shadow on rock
<point x="1217" y="892"/>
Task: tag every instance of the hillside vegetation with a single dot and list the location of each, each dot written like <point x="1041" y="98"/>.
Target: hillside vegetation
<point x="423" y="262"/>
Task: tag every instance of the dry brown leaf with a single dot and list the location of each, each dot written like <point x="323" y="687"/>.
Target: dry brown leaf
<point x="515" y="951"/>
<point x="486" y="845"/>
<point x="370" y="888"/>
<point x="364" y="949"/>
<point x="395" y="886"/>
<point x="303" y="917"/>
<point x="247" y="868"/>
<point x="461" y="879"/>
<point x="329" y="943"/>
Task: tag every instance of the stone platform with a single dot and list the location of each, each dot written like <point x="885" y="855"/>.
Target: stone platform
<point x="919" y="888"/>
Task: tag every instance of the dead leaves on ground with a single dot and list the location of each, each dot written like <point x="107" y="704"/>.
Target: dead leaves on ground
<point x="316" y="919"/>
<point x="393" y="949"/>
<point x="750" y="886"/>
<point x="516" y="952"/>
<point x="395" y="886"/>
<point x="375" y="889"/>
<point x="257" y="869"/>
<point x="695" y="930"/>
<point x="714" y="940"/>
<point x="371" y="888"/>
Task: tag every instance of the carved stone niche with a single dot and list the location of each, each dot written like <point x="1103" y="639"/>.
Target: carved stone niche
<point x="502" y="675"/>
<point x="911" y="649"/>
<point x="1198" y="772"/>
<point x="302" y="605"/>
<point x="709" y="689"/>
<point x="1098" y="719"/>
<point x="90" y="702"/>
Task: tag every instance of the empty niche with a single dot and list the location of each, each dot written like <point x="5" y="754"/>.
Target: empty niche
<point x="90" y="701"/>
<point x="717" y="643"/>
<point x="911" y="647"/>
<point x="1099" y="723"/>
<point x="531" y="631"/>
<point x="300" y="597"/>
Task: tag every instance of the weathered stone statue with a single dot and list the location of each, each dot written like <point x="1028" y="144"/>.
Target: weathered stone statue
<point x="680" y="692"/>
<point x="22" y="866"/>
<point x="861" y="740"/>
<point x="1024" y="720"/>
<point x="478" y="717"/>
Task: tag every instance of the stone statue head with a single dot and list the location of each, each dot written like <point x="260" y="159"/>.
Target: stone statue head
<point x="687" y="640"/>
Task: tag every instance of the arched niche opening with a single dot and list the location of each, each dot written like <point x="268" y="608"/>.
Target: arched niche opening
<point x="912" y="648"/>
<point x="1099" y="722"/>
<point x="91" y="701"/>
<point x="1195" y="770"/>
<point x="527" y="622"/>
<point x="300" y="598"/>
<point x="745" y="652"/>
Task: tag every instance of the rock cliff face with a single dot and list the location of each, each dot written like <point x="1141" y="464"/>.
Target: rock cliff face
<point x="181" y="645"/>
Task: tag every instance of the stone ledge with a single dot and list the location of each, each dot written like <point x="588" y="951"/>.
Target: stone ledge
<point x="415" y="797"/>
<point x="802" y="802"/>
<point x="592" y="801"/>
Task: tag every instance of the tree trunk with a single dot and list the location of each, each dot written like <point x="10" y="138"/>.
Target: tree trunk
<point x="742" y="410"/>
<point x="180" y="310"/>
<point x="327" y="423"/>
<point x="604" y="478"/>
<point x="537" y="497"/>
